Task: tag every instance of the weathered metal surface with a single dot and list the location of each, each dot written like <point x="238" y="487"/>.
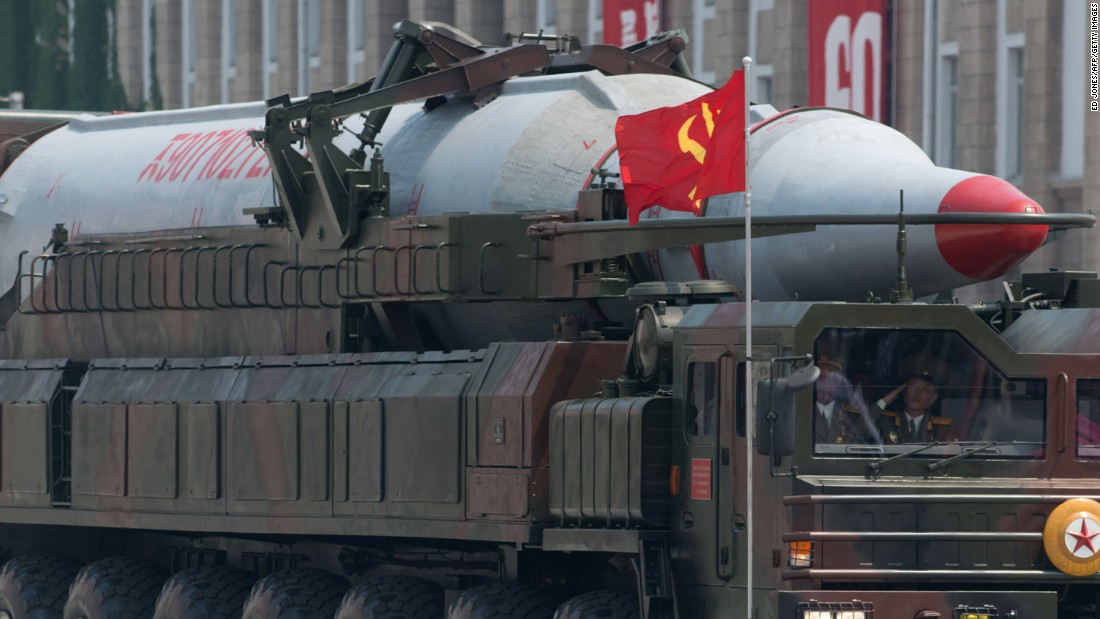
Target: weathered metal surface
<point x="152" y="448"/>
<point x="610" y="462"/>
<point x="499" y="492"/>
<point x="31" y="392"/>
<point x="99" y="450"/>
<point x="24" y="457"/>
<point x="361" y="480"/>
<point x="591" y="540"/>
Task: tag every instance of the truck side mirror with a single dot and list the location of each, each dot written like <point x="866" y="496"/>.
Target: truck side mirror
<point x="775" y="405"/>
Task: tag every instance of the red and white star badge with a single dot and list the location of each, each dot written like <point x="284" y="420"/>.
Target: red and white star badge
<point x="1071" y="537"/>
<point x="1081" y="537"/>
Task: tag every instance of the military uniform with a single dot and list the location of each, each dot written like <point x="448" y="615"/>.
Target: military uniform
<point x="846" y="425"/>
<point x="895" y="428"/>
<point x="919" y="393"/>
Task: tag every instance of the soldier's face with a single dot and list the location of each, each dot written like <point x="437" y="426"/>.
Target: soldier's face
<point x="828" y="386"/>
<point x="919" y="394"/>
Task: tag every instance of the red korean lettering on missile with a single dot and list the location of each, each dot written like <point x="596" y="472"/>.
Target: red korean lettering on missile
<point x="209" y="155"/>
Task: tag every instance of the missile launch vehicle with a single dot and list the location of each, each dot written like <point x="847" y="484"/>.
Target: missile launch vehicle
<point x="393" y="351"/>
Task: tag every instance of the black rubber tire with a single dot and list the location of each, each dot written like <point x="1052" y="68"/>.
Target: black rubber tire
<point x="503" y="601"/>
<point x="300" y="593"/>
<point x="210" y="592"/>
<point x="393" y="597"/>
<point x="601" y="605"/>
<point x="115" y="588"/>
<point x="34" y="586"/>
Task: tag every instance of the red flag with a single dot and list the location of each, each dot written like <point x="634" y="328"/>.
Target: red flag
<point x="675" y="157"/>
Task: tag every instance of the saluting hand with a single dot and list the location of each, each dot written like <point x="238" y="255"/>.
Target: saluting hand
<point x="893" y="395"/>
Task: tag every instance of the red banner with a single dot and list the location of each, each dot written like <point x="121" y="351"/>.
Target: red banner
<point x="626" y="22"/>
<point x="848" y="55"/>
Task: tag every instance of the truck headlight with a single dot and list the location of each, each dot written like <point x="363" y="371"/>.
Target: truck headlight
<point x="836" y="610"/>
<point x="835" y="614"/>
<point x="800" y="554"/>
<point x="979" y="612"/>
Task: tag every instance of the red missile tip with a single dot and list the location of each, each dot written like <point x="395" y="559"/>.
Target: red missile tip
<point x="985" y="251"/>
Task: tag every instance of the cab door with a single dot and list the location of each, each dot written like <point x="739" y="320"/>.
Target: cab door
<point x="702" y="520"/>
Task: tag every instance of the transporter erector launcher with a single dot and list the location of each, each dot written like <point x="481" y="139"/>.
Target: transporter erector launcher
<point x="395" y="350"/>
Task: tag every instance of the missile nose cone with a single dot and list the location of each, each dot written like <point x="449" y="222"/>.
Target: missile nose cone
<point x="986" y="251"/>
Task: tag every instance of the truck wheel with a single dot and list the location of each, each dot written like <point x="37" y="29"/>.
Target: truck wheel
<point x="115" y="588"/>
<point x="393" y="597"/>
<point x="34" y="586"/>
<point x="601" y="605"/>
<point x="295" y="594"/>
<point x="503" y="601"/>
<point x="212" y="592"/>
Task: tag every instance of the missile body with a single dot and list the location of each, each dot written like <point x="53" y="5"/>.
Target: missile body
<point x="539" y="146"/>
<point x="533" y="148"/>
<point x="825" y="161"/>
<point x="132" y="173"/>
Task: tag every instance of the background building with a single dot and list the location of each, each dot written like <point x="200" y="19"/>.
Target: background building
<point x="992" y="86"/>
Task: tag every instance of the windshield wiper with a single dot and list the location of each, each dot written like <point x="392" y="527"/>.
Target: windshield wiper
<point x="978" y="448"/>
<point x="875" y="468"/>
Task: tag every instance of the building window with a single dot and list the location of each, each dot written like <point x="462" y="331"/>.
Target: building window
<point x="762" y="85"/>
<point x="760" y="90"/>
<point x="947" y="100"/>
<point x="229" y="48"/>
<point x="546" y="17"/>
<point x="313" y="27"/>
<point x="147" y="52"/>
<point x="595" y="21"/>
<point x="71" y="15"/>
<point x="111" y="43"/>
<point x="188" y="53"/>
<point x="270" y="45"/>
<point x="309" y="42"/>
<point x="1073" y="89"/>
<point x="1010" y="98"/>
<point x="356" y="40"/>
<point x="702" y="16"/>
<point x="1014" y="116"/>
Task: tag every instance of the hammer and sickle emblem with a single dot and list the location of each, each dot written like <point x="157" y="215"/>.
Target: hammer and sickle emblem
<point x="690" y="145"/>
<point x="687" y="143"/>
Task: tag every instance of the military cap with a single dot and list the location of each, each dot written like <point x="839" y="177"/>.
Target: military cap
<point x="826" y="361"/>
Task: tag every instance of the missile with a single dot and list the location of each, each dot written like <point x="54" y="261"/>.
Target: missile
<point x="807" y="161"/>
<point x="532" y="148"/>
<point x="813" y="161"/>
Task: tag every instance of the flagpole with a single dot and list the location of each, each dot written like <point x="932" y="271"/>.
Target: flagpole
<point x="746" y="62"/>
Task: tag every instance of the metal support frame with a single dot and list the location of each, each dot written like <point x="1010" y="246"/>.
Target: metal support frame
<point x="423" y="63"/>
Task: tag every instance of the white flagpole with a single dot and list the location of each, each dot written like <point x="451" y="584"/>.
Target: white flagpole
<point x="746" y="62"/>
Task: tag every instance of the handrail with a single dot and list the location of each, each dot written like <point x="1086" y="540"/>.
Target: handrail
<point x="913" y="536"/>
<point x="926" y="575"/>
<point x="879" y="499"/>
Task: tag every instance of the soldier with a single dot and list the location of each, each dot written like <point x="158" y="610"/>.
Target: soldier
<point x="836" y="420"/>
<point x="915" y="423"/>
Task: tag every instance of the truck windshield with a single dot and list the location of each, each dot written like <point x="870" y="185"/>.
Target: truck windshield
<point x="883" y="392"/>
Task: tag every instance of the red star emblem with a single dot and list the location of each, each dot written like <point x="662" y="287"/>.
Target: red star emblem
<point x="1084" y="537"/>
